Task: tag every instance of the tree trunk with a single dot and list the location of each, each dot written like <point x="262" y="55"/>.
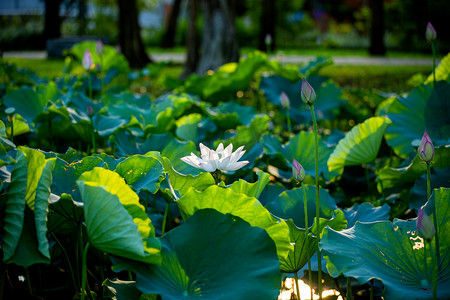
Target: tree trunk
<point x="52" y="22"/>
<point x="82" y="21"/>
<point x="168" y="40"/>
<point x="130" y="34"/>
<point x="192" y="40"/>
<point x="377" y="46"/>
<point x="267" y="25"/>
<point x="219" y="45"/>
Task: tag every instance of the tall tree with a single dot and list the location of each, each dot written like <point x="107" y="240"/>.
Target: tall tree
<point x="168" y="39"/>
<point x="219" y="44"/>
<point x="192" y="40"/>
<point x="130" y="39"/>
<point x="377" y="46"/>
<point x="267" y="25"/>
<point x="52" y="20"/>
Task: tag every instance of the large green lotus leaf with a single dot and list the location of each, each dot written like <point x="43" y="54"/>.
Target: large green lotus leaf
<point x="365" y="212"/>
<point x="179" y="183"/>
<point x="360" y="145"/>
<point x="290" y="205"/>
<point x="140" y="100"/>
<point x="247" y="208"/>
<point x="29" y="102"/>
<point x="249" y="136"/>
<point x="65" y="123"/>
<point x="175" y="150"/>
<point x="314" y="66"/>
<point x="251" y="189"/>
<point x="418" y="194"/>
<point x="306" y="245"/>
<point x="115" y="220"/>
<point x="162" y="122"/>
<point x="210" y="257"/>
<point x="228" y="82"/>
<point x="329" y="97"/>
<point x="179" y="103"/>
<point x="20" y="126"/>
<point x="106" y="125"/>
<point x="437" y="111"/>
<point x="111" y="58"/>
<point x="111" y="161"/>
<point x="230" y="114"/>
<point x="302" y="148"/>
<point x="442" y="71"/>
<point x="66" y="174"/>
<point x="393" y="253"/>
<point x="141" y="173"/>
<point x="127" y="110"/>
<point x="25" y="242"/>
<point x="425" y="108"/>
<point x="404" y="177"/>
<point x="194" y="127"/>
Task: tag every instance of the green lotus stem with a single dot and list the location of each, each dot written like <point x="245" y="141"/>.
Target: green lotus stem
<point x="425" y="258"/>
<point x="319" y="258"/>
<point x="89" y="85"/>
<point x="75" y="283"/>
<point x="435" y="269"/>
<point x="434" y="63"/>
<point x="436" y="237"/>
<point x="305" y="201"/>
<point x="94" y="146"/>
<point x="296" y="285"/>
<point x="349" y="294"/>
<point x="377" y="166"/>
<point x="289" y="124"/>
<point x="11" y="137"/>
<point x="166" y="213"/>
<point x="83" y="270"/>
<point x="101" y="75"/>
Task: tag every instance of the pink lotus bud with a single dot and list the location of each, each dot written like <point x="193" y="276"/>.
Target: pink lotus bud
<point x="90" y="110"/>
<point x="308" y="93"/>
<point x="425" y="226"/>
<point x="87" y="60"/>
<point x="285" y="103"/>
<point x="298" y="172"/>
<point x="430" y="33"/>
<point x="99" y="48"/>
<point x="426" y="148"/>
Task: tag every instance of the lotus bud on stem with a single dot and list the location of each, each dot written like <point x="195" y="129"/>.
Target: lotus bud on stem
<point x="88" y="65"/>
<point x="427" y="230"/>
<point x="308" y="96"/>
<point x="298" y="172"/>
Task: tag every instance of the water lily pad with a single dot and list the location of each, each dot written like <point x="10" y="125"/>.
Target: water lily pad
<point x="392" y="252"/>
<point x="115" y="220"/>
<point x="360" y="145"/>
<point x="239" y="205"/>
<point x="251" y="189"/>
<point x="192" y="269"/>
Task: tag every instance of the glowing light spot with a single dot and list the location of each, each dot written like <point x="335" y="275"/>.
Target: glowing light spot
<point x="305" y="291"/>
<point x="351" y="122"/>
<point x="240" y="94"/>
<point x="210" y="72"/>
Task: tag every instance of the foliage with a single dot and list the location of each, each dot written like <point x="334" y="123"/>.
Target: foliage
<point x="106" y="171"/>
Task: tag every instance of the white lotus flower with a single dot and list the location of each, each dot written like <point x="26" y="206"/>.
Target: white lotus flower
<point x="221" y="159"/>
